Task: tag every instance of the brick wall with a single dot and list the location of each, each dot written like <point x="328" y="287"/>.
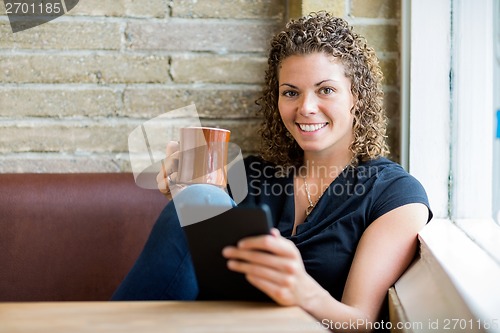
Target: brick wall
<point x="71" y="90"/>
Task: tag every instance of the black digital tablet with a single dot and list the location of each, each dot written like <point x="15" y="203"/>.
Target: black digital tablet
<point x="207" y="239"/>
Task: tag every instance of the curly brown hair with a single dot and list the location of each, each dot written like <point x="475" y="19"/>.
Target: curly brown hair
<point x="321" y="32"/>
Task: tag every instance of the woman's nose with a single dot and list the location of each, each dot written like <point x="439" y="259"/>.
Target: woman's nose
<point x="308" y="105"/>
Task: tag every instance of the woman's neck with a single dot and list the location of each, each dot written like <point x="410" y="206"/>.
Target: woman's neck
<point x="324" y="167"/>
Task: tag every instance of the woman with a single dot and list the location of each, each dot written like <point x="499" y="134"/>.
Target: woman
<point x="346" y="219"/>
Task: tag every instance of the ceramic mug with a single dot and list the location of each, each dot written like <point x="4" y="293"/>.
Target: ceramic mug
<point x="203" y="156"/>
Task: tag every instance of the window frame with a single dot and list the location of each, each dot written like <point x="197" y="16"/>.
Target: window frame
<point x="449" y="60"/>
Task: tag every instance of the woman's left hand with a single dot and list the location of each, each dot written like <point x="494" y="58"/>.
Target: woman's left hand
<point x="274" y="265"/>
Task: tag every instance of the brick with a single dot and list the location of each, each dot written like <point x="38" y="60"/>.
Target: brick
<point x="383" y="38"/>
<point x="98" y="138"/>
<point x="375" y="8"/>
<point x="57" y="163"/>
<point x="390" y="69"/>
<point x="211" y="102"/>
<point x="94" y="68"/>
<point x="241" y="9"/>
<point x="59" y="102"/>
<point x="200" y="35"/>
<point x="121" y="8"/>
<point x="151" y="8"/>
<point x="335" y="7"/>
<point x="219" y="69"/>
<point x="77" y="136"/>
<point x="63" y="35"/>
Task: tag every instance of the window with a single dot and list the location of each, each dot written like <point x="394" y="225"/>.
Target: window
<point x="496" y="105"/>
<point x="451" y="112"/>
<point x="451" y="141"/>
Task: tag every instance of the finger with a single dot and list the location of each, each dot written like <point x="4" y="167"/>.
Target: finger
<point x="162" y="181"/>
<point x="173" y="178"/>
<point x="173" y="162"/>
<point x="170" y="163"/>
<point x="270" y="243"/>
<point x="165" y="190"/>
<point x="169" y="166"/>
<point x="163" y="172"/>
<point x="172" y="147"/>
<point x="263" y="272"/>
<point x="251" y="256"/>
<point x="163" y="187"/>
<point x="268" y="284"/>
<point x="264" y="259"/>
<point x="280" y="295"/>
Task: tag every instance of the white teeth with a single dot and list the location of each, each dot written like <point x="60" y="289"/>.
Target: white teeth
<point x="312" y="128"/>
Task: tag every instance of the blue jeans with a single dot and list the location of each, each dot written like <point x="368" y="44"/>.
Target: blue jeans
<point x="164" y="270"/>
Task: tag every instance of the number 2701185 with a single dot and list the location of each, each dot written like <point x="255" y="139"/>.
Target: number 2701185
<point x="32" y="8"/>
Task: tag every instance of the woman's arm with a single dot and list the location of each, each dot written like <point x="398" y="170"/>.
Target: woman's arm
<point x="385" y="250"/>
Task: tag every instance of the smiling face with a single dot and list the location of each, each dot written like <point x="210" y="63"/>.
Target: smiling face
<point x="315" y="103"/>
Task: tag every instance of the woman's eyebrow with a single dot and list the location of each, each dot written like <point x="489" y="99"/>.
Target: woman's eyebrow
<point x="321" y="82"/>
<point x="316" y="84"/>
<point x="288" y="84"/>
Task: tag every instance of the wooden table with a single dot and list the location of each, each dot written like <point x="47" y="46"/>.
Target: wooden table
<point x="144" y="317"/>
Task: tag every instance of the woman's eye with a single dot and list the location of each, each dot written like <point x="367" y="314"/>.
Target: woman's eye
<point x="326" y="91"/>
<point x="289" y="93"/>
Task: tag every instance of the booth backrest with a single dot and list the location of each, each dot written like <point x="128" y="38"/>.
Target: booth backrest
<point x="71" y="237"/>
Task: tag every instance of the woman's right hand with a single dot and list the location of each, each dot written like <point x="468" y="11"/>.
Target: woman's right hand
<point x="169" y="168"/>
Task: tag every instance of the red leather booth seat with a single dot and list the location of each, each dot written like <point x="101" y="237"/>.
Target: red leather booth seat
<point x="71" y="237"/>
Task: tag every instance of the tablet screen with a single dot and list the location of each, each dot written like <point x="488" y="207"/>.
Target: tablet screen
<point x="207" y="239"/>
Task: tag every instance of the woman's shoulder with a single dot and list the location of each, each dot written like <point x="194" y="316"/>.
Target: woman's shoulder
<point x="390" y="179"/>
<point x="392" y="185"/>
<point x="383" y="169"/>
